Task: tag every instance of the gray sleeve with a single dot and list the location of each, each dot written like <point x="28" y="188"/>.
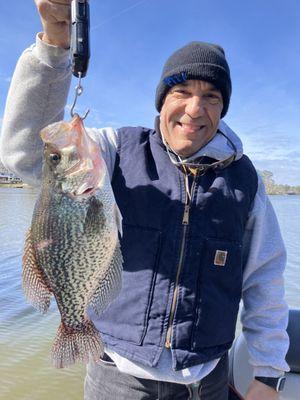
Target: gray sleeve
<point x="37" y="97"/>
<point x="265" y="313"/>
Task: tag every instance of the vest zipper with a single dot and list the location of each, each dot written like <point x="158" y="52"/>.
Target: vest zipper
<point x="185" y="223"/>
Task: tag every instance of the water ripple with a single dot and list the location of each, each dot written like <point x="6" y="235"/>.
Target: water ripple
<point x="26" y="336"/>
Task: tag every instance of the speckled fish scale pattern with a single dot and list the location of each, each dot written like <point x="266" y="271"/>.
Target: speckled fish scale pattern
<point x="72" y="251"/>
<point x="76" y="246"/>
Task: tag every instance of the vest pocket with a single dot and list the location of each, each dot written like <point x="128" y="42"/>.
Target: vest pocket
<point x="219" y="293"/>
<point x="127" y="316"/>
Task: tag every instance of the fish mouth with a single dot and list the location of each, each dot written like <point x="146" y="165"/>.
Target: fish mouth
<point x="84" y="190"/>
<point x="87" y="191"/>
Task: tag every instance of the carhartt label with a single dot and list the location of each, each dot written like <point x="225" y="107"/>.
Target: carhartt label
<point x="220" y="258"/>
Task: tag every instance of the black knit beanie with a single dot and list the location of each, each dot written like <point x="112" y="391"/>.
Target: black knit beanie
<point x="196" y="60"/>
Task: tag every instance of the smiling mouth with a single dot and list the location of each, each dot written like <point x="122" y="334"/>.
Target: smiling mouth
<point x="190" y="127"/>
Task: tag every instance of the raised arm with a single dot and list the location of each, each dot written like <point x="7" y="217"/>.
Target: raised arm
<point x="38" y="92"/>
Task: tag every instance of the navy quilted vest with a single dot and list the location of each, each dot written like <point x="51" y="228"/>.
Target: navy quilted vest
<point x="150" y="193"/>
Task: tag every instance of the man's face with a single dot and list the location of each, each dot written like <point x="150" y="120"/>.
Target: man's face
<point x="190" y="116"/>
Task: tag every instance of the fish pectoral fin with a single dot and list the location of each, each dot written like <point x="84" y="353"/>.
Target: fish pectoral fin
<point x="94" y="216"/>
<point x="35" y="288"/>
<point x="109" y="284"/>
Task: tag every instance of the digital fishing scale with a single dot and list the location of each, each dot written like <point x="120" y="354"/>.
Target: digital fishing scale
<point x="80" y="44"/>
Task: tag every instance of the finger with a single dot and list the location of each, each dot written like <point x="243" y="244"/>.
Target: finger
<point x="61" y="12"/>
<point x="64" y="2"/>
<point x="67" y="2"/>
<point x="53" y="11"/>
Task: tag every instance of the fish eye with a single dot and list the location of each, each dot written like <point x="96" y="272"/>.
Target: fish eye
<point x="55" y="158"/>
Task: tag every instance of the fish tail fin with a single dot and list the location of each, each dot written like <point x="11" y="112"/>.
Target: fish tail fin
<point x="80" y="344"/>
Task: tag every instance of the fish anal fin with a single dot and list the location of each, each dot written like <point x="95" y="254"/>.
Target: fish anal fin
<point x="76" y="344"/>
<point x="109" y="283"/>
<point x="35" y="288"/>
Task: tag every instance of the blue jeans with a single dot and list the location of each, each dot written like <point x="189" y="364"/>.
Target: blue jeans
<point x="105" y="382"/>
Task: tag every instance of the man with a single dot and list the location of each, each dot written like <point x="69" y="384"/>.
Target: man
<point x="199" y="231"/>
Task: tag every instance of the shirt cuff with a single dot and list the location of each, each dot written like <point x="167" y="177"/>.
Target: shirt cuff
<point x="267" y="372"/>
<point x="53" y="56"/>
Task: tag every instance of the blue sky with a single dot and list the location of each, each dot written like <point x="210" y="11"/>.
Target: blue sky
<point x="131" y="39"/>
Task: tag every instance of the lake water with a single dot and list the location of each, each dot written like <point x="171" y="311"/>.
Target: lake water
<point x="26" y="336"/>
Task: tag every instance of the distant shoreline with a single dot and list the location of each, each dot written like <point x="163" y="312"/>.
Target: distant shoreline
<point x="25" y="186"/>
<point x="273" y="188"/>
<point x="14" y="185"/>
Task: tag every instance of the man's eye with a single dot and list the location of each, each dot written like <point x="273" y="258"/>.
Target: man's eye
<point x="181" y="91"/>
<point x="213" y="98"/>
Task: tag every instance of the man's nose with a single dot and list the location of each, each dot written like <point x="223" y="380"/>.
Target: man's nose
<point x="195" y="107"/>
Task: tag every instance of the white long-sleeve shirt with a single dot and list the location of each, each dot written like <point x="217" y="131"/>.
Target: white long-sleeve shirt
<point x="37" y="97"/>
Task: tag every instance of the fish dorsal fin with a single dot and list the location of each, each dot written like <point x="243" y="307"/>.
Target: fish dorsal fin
<point x="35" y="288"/>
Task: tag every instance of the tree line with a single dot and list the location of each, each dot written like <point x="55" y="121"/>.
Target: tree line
<point x="274" y="188"/>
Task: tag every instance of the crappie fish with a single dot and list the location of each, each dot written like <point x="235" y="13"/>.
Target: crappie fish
<point x="72" y="249"/>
